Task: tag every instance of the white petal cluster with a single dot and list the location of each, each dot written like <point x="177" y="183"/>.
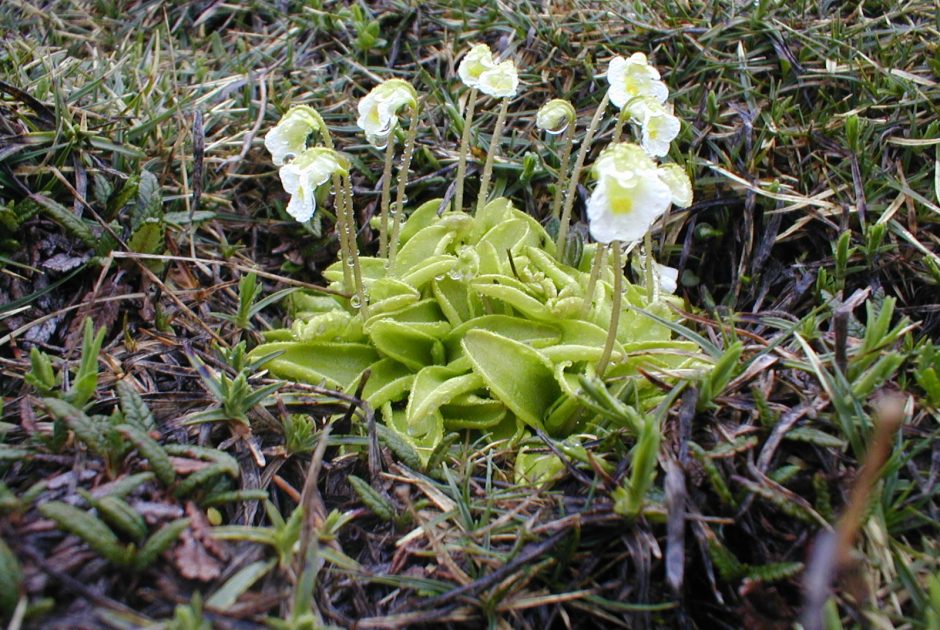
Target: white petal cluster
<point x="555" y="116"/>
<point x="288" y="138"/>
<point x="636" y="88"/>
<point x="478" y="60"/>
<point x="632" y="80"/>
<point x="659" y="128"/>
<point x="379" y="109"/>
<point x="304" y="174"/>
<point x="479" y="70"/>
<point x="632" y="191"/>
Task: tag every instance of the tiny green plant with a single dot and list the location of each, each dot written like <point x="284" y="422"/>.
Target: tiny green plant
<point x="45" y="380"/>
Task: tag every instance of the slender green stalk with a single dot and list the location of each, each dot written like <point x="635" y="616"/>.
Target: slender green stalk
<point x="562" y="241"/>
<point x="618" y="127"/>
<point x="464" y="148"/>
<point x="566" y="142"/>
<point x="491" y="154"/>
<point x="350" y="226"/>
<point x="386" y="195"/>
<point x="398" y="215"/>
<point x="600" y="254"/>
<point x="324" y="130"/>
<point x="342" y="230"/>
<point x="648" y="263"/>
<point x="616" y="306"/>
<point x="345" y="250"/>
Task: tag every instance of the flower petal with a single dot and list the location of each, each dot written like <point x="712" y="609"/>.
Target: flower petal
<point x="378" y="110"/>
<point x="501" y="81"/>
<point x="634" y="78"/>
<point x="660" y="128"/>
<point x="475" y="63"/>
<point x="680" y="187"/>
<point x="301" y="177"/>
<point x="629" y="195"/>
<point x="288" y="138"/>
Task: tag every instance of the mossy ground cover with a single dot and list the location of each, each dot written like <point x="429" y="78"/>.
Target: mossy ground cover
<point x="153" y="474"/>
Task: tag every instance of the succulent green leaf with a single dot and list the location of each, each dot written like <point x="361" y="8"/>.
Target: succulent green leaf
<point x="412" y="443"/>
<point x="406" y="344"/>
<point x="337" y="365"/>
<point x="472" y="412"/>
<point x="514" y="297"/>
<point x="516" y="374"/>
<point x="422" y="217"/>
<point x="388" y="381"/>
<point x="435" y="386"/>
<point x="534" y="334"/>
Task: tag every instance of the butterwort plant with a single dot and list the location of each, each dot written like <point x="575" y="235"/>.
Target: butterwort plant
<point x="475" y="322"/>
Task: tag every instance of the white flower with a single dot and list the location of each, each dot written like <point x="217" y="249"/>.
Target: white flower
<point x="378" y="110"/>
<point x="679" y="184"/>
<point x="633" y="79"/>
<point x="629" y="196"/>
<point x="501" y="81"/>
<point x="304" y="174"/>
<point x="475" y="63"/>
<point x="667" y="277"/>
<point x="659" y="128"/>
<point x="555" y="116"/>
<point x="288" y="138"/>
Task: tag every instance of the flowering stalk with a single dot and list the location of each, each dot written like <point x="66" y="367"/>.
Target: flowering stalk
<point x="464" y="148"/>
<point x="349" y="225"/>
<point x="378" y="118"/>
<point x="565" y="158"/>
<point x="494" y="146"/>
<point x="562" y="240"/>
<point x="616" y="306"/>
<point x="397" y="215"/>
<point x="600" y="254"/>
<point x="618" y="127"/>
<point x="346" y="251"/>
<point x="479" y="71"/>
<point x="556" y="117"/>
<point x="386" y="196"/>
<point x="649" y="262"/>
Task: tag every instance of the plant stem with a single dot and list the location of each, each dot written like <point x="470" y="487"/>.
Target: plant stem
<point x="565" y="158"/>
<point x="398" y="215"/>
<point x="491" y="154"/>
<point x="618" y="127"/>
<point x="353" y="248"/>
<point x="599" y="255"/>
<point x="324" y="130"/>
<point x="386" y="195"/>
<point x="562" y="241"/>
<point x="648" y="246"/>
<point x="615" y="312"/>
<point x="464" y="147"/>
<point x="342" y="230"/>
